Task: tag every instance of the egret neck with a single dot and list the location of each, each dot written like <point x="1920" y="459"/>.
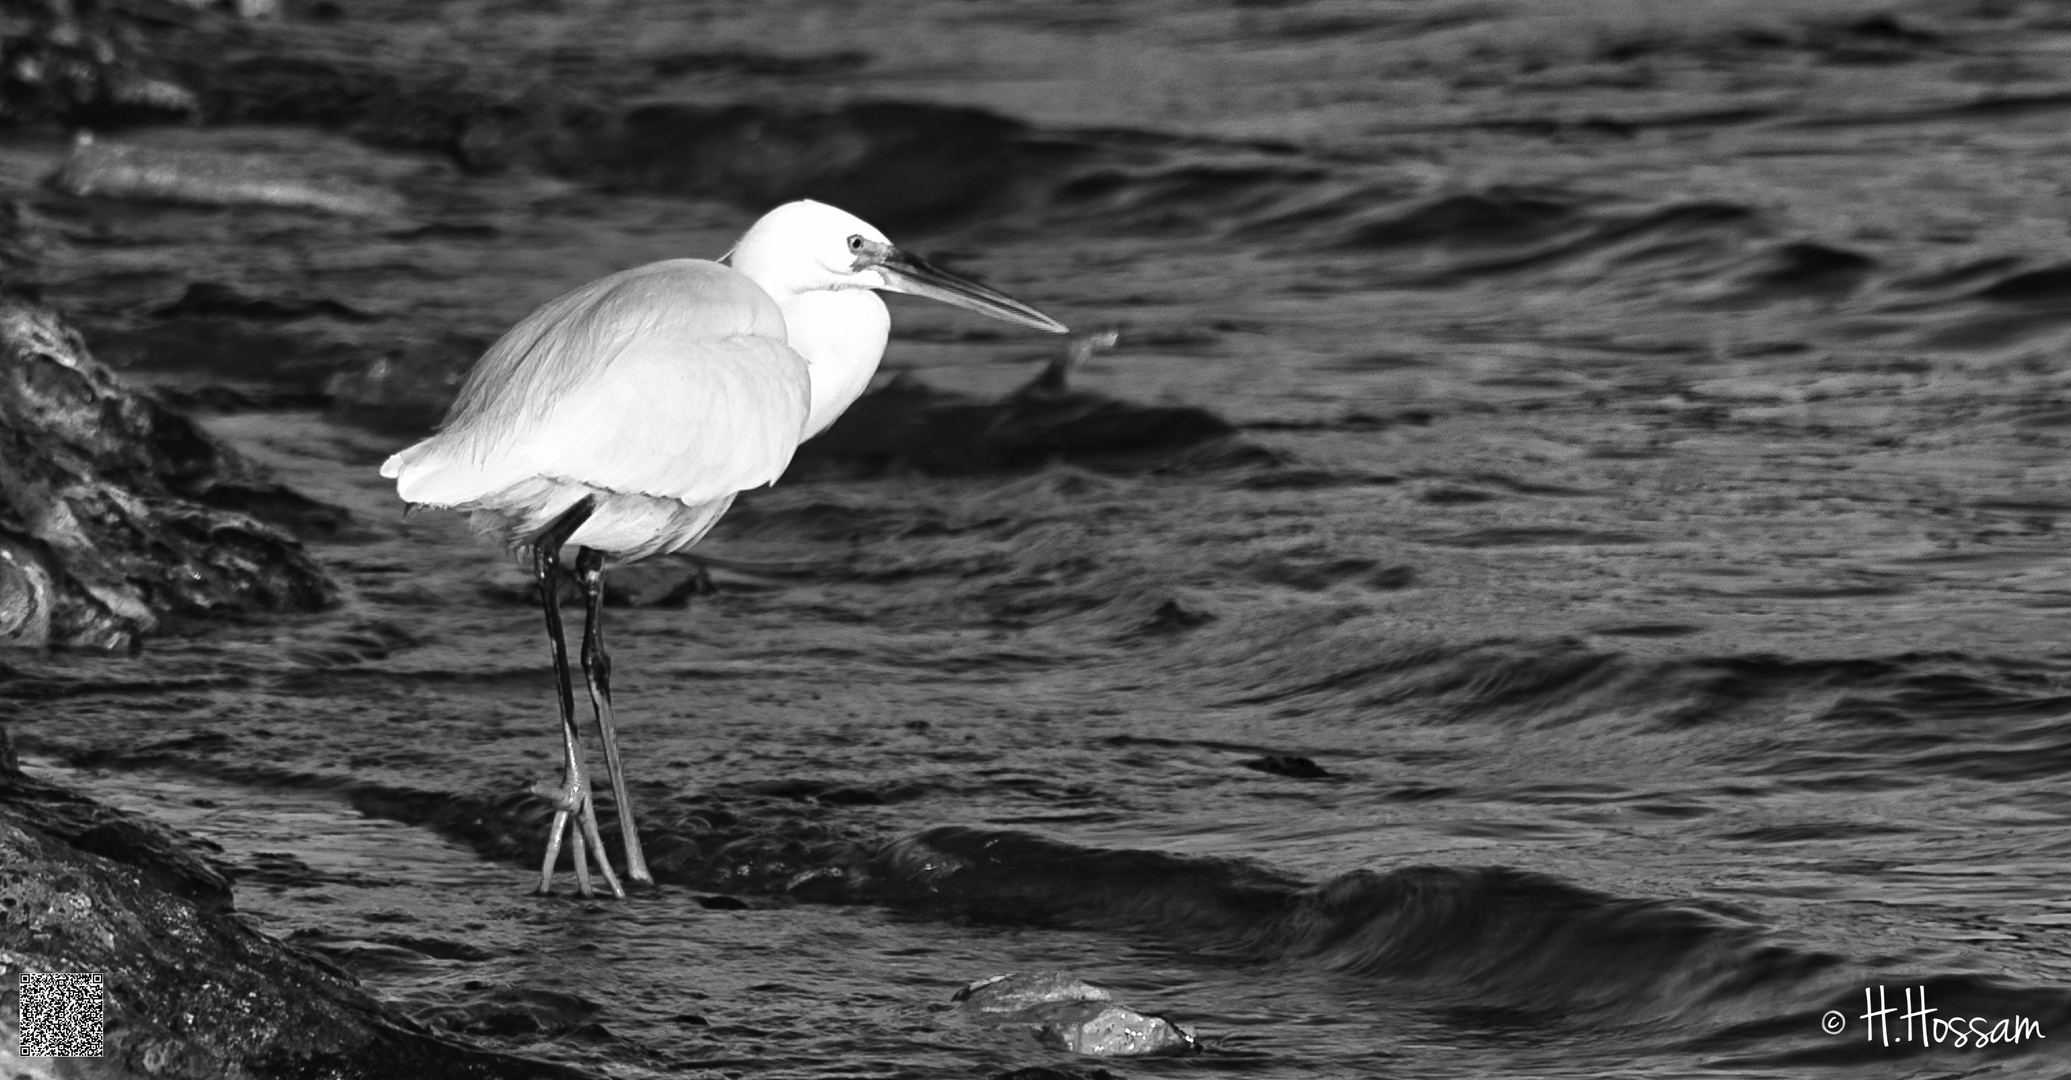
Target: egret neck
<point x="841" y="333"/>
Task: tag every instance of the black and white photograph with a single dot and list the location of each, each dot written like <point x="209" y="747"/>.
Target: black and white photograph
<point x="1035" y="539"/>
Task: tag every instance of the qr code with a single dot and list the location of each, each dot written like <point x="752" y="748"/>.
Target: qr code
<point x="64" y="1013"/>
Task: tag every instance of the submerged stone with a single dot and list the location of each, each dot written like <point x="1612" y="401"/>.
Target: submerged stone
<point x="207" y="178"/>
<point x="1293" y="765"/>
<point x="1020" y="993"/>
<point x="1068" y="1013"/>
<point x="1117" y="1031"/>
<point x="118" y="514"/>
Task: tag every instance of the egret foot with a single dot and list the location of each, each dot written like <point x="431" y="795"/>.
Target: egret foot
<point x="573" y="800"/>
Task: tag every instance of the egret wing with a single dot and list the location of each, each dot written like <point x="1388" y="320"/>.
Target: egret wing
<point x="679" y="418"/>
<point x="670" y="379"/>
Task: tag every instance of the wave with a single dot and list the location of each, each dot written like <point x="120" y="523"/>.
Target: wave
<point x="1498" y="216"/>
<point x="908" y="426"/>
<point x="1487" y="940"/>
<point x="1187" y="197"/>
<point x="1480" y="940"/>
<point x="1925" y="715"/>
<point x="1484" y="942"/>
<point x="1495" y="936"/>
<point x="904" y="165"/>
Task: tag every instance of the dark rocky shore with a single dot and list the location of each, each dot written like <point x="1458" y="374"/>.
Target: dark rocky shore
<point x="118" y="515"/>
<point x="121" y="518"/>
<point x="193" y="991"/>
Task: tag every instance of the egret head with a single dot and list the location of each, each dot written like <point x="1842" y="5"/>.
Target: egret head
<point x="806" y="246"/>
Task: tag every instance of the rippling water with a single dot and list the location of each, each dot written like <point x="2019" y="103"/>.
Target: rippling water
<point x="1654" y="420"/>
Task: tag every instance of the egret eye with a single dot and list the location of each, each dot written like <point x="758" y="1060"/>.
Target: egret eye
<point x="856" y="243"/>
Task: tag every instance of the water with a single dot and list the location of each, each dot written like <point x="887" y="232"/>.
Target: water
<point x="1662" y="562"/>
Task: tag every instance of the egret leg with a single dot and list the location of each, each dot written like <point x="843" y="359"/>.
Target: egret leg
<point x="571" y="800"/>
<point x="596" y="669"/>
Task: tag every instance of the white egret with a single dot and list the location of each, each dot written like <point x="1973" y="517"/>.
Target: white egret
<point x="623" y="418"/>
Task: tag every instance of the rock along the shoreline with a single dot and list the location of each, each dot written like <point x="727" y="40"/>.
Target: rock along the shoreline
<point x="79" y="64"/>
<point x="98" y="168"/>
<point x="192" y="992"/>
<point x="1068" y="1013"/>
<point x="1016" y="994"/>
<point x="1109" y="1030"/>
<point x="117" y="514"/>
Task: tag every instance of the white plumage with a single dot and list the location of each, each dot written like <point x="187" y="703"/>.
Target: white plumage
<point x="623" y="417"/>
<point x="660" y="391"/>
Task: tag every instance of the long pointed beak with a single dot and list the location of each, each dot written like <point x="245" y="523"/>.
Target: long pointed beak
<point x="915" y="276"/>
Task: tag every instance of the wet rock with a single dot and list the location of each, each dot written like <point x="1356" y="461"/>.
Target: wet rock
<point x="209" y="178"/>
<point x="192" y="991"/>
<point x="79" y="63"/>
<point x="1293" y="765"/>
<point x="118" y="515"/>
<point x="1172" y="617"/>
<point x="1116" y="1031"/>
<point x="1020" y="993"/>
<point x="162" y="858"/>
<point x="1070" y="1014"/>
<point x="100" y="64"/>
<point x="910" y="426"/>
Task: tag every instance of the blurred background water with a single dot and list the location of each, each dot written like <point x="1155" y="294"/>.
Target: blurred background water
<point x="1642" y="510"/>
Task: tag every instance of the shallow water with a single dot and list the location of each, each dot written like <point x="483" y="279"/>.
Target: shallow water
<point x="1659" y="552"/>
